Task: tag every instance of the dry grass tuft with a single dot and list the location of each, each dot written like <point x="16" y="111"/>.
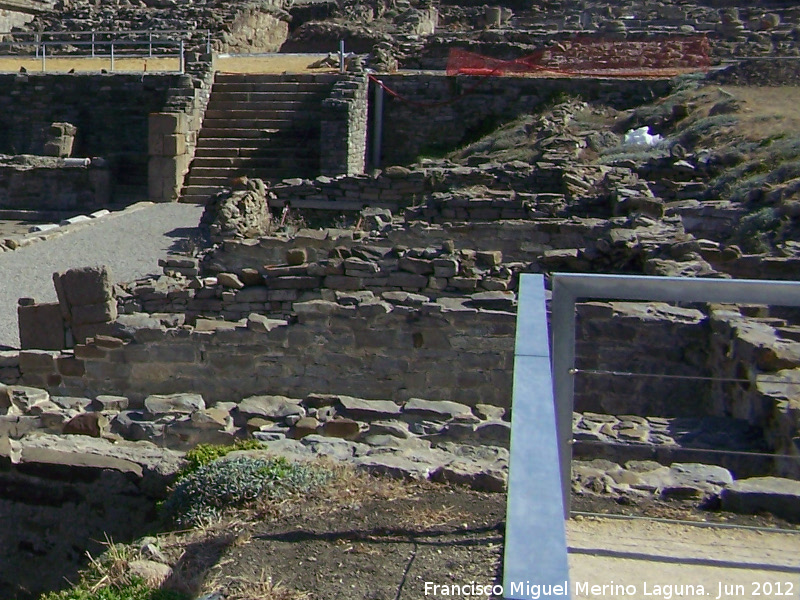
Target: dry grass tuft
<point x="237" y="588"/>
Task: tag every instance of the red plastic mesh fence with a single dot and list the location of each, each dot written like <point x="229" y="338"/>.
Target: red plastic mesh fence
<point x="592" y="56"/>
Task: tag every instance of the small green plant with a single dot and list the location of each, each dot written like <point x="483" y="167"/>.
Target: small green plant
<point x="754" y="229"/>
<point x="136" y="589"/>
<point x="204" y="454"/>
<point x="205" y="493"/>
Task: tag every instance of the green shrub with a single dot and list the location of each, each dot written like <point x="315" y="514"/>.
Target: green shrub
<point x="204" y="454"/>
<point x="135" y="590"/>
<point x="753" y="231"/>
<point x="206" y="492"/>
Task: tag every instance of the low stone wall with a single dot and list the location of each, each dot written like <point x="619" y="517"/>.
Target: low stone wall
<point x="386" y="351"/>
<point x="54" y="185"/>
<point x="646" y="339"/>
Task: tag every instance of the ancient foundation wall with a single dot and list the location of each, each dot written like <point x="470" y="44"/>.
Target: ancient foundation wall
<point x="384" y="351"/>
<point x="55" y="187"/>
<point x="110" y="112"/>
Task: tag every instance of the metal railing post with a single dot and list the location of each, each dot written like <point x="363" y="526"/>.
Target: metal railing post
<point x="149" y="44"/>
<point x="208" y="41"/>
<point x="93" y="39"/>
<point x="112" y="56"/>
<point x="44" y="57"/>
<point x="182" y="59"/>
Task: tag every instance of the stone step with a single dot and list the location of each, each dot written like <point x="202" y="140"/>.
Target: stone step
<point x="218" y="97"/>
<point x="261" y="132"/>
<point x="321" y="89"/>
<point x="276" y="160"/>
<point x="201" y="190"/>
<point x="267" y="141"/>
<point x="265" y="78"/>
<point x="266" y="151"/>
<point x="290" y="120"/>
<point x="265" y="174"/>
<point x="286" y="162"/>
<point x="279" y="112"/>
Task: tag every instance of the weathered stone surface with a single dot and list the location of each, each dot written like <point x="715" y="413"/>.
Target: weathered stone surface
<point x="153" y="573"/>
<point x="435" y="408"/>
<point x="174" y="403"/>
<point x="778" y="496"/>
<point x="41" y="326"/>
<point x="93" y="424"/>
<point x="241" y="213"/>
<point x="230" y="281"/>
<point x="342" y="428"/>
<point x="372" y="409"/>
<point x="392" y="465"/>
<point x="104" y="402"/>
<point x="682" y="478"/>
<point x="268" y="407"/>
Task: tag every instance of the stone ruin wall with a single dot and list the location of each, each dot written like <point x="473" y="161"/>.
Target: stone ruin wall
<point x="484" y="103"/>
<point x="52" y="187"/>
<point x="30" y="103"/>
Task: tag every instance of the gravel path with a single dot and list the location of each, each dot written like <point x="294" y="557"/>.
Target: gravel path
<point x="129" y="243"/>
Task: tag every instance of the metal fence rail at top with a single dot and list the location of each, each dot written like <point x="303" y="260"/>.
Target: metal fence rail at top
<point x="92" y="41"/>
<point x="107" y="45"/>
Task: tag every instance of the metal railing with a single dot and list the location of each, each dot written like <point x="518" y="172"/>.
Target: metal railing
<point x="113" y="45"/>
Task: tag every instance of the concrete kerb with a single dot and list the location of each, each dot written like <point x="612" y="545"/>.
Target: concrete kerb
<point x="59" y="230"/>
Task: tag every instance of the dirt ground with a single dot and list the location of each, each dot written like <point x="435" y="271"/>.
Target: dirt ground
<point x="385" y="543"/>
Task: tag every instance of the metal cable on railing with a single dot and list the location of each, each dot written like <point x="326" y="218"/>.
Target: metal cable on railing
<point x="610" y="373"/>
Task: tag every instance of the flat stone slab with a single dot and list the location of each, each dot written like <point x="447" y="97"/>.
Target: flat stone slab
<point x="174" y="403"/>
<point x="270" y="407"/>
<point x="776" y="495"/>
<point x="435" y="408"/>
<point x="368" y="408"/>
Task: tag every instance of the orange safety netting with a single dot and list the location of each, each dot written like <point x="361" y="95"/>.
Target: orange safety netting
<point x="594" y="57"/>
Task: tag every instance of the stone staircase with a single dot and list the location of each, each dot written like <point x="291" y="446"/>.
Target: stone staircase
<point x="265" y="126"/>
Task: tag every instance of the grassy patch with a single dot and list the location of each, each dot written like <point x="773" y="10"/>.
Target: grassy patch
<point x="206" y="493"/>
<point x="754" y="230"/>
<point x="133" y="590"/>
<point x="204" y="454"/>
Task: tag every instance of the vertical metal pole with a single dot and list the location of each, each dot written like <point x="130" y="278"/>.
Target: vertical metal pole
<point x="149" y="44"/>
<point x="44" y="57"/>
<point x="182" y="60"/>
<point x="36" y="41"/>
<point x="93" y="39"/>
<point x="112" y="56"/>
<point x="563" y="322"/>
<point x="377" y="125"/>
<point x="208" y="41"/>
<point x="341" y="56"/>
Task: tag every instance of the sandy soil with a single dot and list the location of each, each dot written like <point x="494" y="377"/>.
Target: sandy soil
<point x="270" y="63"/>
<point x="11" y="64"/>
<point x="386" y="543"/>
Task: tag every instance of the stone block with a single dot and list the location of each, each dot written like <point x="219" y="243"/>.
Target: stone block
<point x="174" y="145"/>
<point x="70" y="367"/>
<point x="94" y="313"/>
<point x="33" y="360"/>
<point x="88" y="285"/>
<point x="163" y="124"/>
<point x="81" y="333"/>
<point x="41" y="326"/>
